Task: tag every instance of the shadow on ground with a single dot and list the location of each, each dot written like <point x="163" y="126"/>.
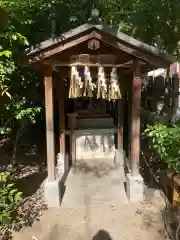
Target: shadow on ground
<point x="102" y="235"/>
<point x="30" y="183"/>
<point x="29" y="173"/>
<point x="29" y="180"/>
<point x="99" y="169"/>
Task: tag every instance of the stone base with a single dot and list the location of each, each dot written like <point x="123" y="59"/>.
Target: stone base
<point x="135" y="188"/>
<point x="119" y="157"/>
<point x="52" y="192"/>
<point x="66" y="162"/>
<point x="62" y="163"/>
<point x="73" y="157"/>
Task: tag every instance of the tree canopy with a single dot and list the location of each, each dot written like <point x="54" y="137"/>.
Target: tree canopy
<point x="27" y="22"/>
<point x="156" y="22"/>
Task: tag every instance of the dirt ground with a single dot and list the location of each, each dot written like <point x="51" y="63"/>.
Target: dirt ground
<point x="99" y="211"/>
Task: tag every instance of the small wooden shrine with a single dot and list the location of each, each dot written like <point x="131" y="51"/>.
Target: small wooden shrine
<point x="100" y="70"/>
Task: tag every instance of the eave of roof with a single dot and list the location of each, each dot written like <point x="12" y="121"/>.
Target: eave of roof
<point x="141" y="46"/>
<point x="58" y="39"/>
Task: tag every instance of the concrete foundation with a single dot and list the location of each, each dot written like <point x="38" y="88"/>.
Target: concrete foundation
<point x="119" y="157"/>
<point x="62" y="164"/>
<point x="135" y="188"/>
<point x="52" y="192"/>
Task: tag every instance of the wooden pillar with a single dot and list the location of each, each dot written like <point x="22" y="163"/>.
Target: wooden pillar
<point x="135" y="117"/>
<point x="120" y="112"/>
<point x="48" y="83"/>
<point x="61" y="117"/>
<point x="73" y="147"/>
<point x="72" y="125"/>
<point x="129" y="120"/>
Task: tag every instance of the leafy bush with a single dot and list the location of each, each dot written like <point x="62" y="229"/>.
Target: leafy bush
<point x="164" y="142"/>
<point x="9" y="197"/>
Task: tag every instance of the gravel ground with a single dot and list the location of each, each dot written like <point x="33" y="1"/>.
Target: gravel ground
<point x="105" y="222"/>
<point x="99" y="210"/>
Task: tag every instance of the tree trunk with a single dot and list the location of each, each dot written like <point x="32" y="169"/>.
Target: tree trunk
<point x="18" y="134"/>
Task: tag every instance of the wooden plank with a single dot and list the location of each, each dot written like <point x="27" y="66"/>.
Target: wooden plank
<point x="48" y="83"/>
<point x="135" y="126"/>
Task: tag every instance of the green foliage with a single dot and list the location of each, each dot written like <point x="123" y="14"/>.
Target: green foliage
<point x="9" y="197"/>
<point x="24" y="113"/>
<point x="160" y="25"/>
<point x="5" y="130"/>
<point x="164" y="141"/>
<point x="27" y="22"/>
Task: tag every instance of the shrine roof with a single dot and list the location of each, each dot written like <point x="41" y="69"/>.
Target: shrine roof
<point x="133" y="43"/>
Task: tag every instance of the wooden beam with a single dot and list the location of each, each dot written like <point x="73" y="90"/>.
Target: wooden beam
<point x="60" y="48"/>
<point x="120" y="110"/>
<point x="48" y="83"/>
<point x="57" y="63"/>
<point x="63" y="64"/>
<point x="91" y="58"/>
<point x="135" y="125"/>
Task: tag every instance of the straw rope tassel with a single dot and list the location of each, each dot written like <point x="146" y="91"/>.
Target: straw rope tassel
<point x="101" y="84"/>
<point x="76" y="83"/>
<point x="71" y="89"/>
<point x="79" y="85"/>
<point x="89" y="86"/>
<point x="114" y="92"/>
<point x="85" y="80"/>
<point x="104" y="85"/>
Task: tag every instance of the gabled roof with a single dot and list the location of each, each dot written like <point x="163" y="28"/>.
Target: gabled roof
<point x="137" y="45"/>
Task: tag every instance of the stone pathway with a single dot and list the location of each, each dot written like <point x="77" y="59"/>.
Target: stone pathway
<point x="95" y="207"/>
<point x="91" y="185"/>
